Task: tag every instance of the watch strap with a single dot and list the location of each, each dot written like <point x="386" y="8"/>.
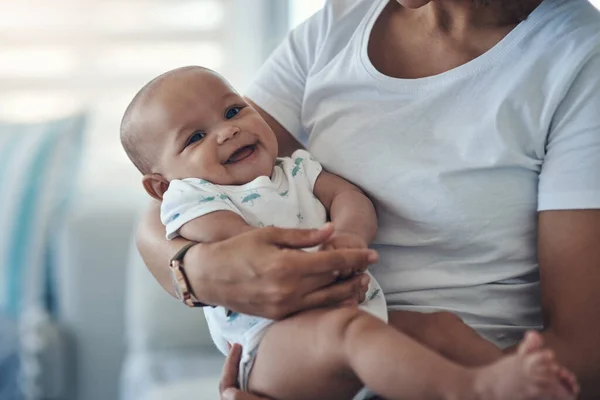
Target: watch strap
<point x="176" y="264"/>
<point x="181" y="253"/>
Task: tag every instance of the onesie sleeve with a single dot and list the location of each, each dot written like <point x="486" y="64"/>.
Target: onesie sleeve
<point x="570" y="175"/>
<point x="189" y="199"/>
<point x="305" y="167"/>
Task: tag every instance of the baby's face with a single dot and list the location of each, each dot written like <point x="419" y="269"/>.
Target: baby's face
<point x="202" y="128"/>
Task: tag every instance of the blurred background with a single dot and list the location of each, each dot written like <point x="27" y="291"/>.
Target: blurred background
<point x="80" y="316"/>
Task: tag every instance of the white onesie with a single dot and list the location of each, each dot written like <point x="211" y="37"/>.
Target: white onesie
<point x="285" y="200"/>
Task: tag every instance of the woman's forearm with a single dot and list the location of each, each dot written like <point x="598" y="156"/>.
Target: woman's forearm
<point x="581" y="356"/>
<point x="569" y="259"/>
<point x="154" y="248"/>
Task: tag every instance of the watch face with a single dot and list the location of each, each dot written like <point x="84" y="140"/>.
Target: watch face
<point x="175" y="283"/>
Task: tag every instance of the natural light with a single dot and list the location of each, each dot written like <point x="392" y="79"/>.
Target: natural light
<point x="300" y="10"/>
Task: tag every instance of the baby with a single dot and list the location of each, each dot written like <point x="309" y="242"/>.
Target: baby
<point x="212" y="161"/>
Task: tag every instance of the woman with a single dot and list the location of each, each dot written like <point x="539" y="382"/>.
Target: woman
<point x="474" y="125"/>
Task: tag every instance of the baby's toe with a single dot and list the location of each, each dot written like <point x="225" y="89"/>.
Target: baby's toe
<point x="568" y="379"/>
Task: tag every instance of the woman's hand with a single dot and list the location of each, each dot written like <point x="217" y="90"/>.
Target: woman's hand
<point x="228" y="387"/>
<point x="264" y="272"/>
<point x="344" y="240"/>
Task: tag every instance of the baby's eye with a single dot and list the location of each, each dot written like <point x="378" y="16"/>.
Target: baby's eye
<point x="232" y="112"/>
<point x="196" y="136"/>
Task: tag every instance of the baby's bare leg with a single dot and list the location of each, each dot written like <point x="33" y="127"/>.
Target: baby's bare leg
<point x="447" y="335"/>
<point x="298" y="358"/>
<point x="321" y="354"/>
<point x="329" y="354"/>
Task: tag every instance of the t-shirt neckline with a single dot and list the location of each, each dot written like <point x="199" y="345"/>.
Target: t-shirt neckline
<point x="472" y="67"/>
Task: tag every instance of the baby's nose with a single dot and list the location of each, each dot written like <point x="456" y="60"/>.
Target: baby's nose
<point x="227" y="133"/>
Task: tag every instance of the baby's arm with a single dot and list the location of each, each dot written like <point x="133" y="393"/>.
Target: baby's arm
<point x="214" y="227"/>
<point x="350" y="210"/>
<point x="198" y="211"/>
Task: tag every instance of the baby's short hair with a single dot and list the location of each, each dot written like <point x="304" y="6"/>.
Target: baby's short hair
<point x="131" y="137"/>
<point x="130" y="129"/>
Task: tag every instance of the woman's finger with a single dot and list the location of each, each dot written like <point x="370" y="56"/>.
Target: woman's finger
<point x="232" y="394"/>
<point x="330" y="261"/>
<point x="235" y="394"/>
<point x="305" y="265"/>
<point x="337" y="293"/>
<point x="298" y="238"/>
<point x="228" y="384"/>
<point x="230" y="369"/>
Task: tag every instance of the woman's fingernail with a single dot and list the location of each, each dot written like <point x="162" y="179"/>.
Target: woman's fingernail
<point x="373" y="256"/>
<point x="325" y="227"/>
<point x="336" y="273"/>
<point x="349" y="302"/>
<point x="365" y="280"/>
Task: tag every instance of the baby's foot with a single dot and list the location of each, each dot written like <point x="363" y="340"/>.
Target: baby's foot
<point x="530" y="374"/>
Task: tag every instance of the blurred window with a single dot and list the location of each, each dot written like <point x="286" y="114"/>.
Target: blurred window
<point x="62" y="55"/>
<point x="301" y="9"/>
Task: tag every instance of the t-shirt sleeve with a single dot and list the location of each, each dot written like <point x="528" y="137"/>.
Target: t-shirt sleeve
<point x="570" y="175"/>
<point x="306" y="167"/>
<point x="190" y="199"/>
<point x="280" y="83"/>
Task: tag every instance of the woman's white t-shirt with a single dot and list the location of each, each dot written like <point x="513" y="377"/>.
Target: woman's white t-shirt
<point x="458" y="164"/>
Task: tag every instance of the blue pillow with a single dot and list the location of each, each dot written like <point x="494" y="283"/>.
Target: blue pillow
<point x="38" y="173"/>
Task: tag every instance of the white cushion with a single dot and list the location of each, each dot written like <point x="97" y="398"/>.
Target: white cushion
<point x="201" y="388"/>
<point x="155" y="320"/>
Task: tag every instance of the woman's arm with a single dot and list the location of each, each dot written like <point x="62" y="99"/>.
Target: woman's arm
<point x="262" y="272"/>
<point x="569" y="255"/>
<point x="155" y="249"/>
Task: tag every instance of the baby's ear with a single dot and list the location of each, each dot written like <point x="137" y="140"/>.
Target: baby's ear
<point x="156" y="185"/>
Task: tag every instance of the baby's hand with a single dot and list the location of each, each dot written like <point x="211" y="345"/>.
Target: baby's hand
<point x="344" y="240"/>
<point x="348" y="240"/>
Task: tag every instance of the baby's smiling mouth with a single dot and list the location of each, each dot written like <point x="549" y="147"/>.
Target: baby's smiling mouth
<point x="241" y="154"/>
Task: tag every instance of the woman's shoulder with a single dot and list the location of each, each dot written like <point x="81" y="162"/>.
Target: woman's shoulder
<point x="339" y="18"/>
<point x="342" y="8"/>
<point x="573" y="24"/>
<point x="562" y="38"/>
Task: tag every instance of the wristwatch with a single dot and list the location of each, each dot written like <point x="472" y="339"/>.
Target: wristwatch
<point x="179" y="279"/>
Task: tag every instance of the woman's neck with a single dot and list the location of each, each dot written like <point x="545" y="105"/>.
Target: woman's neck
<point x="461" y="17"/>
